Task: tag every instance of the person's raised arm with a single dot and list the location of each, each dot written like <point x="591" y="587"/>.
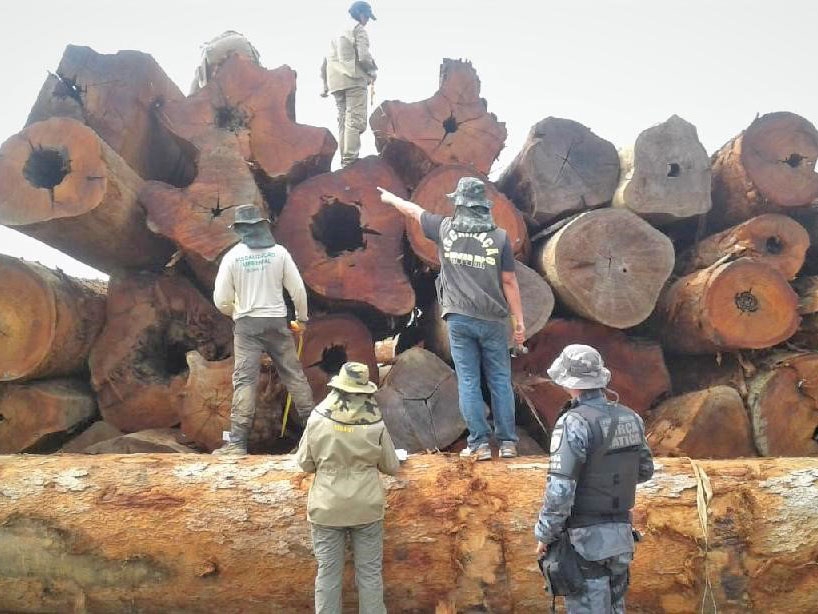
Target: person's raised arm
<point x="407" y="208"/>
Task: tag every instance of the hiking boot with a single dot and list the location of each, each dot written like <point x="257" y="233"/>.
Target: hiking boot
<point x="232" y="448"/>
<point x="481" y="452"/>
<point x="508" y="449"/>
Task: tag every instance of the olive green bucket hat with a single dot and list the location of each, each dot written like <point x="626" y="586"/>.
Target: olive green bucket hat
<point x="353" y="377"/>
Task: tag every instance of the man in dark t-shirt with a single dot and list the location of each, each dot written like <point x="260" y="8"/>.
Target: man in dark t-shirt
<point x="477" y="288"/>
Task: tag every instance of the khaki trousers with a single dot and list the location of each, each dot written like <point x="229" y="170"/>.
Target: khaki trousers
<point x="351" y="122"/>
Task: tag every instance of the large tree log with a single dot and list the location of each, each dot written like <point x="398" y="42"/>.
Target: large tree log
<point x="96" y="433"/>
<point x="665" y="175"/>
<point x="346" y="242"/>
<point x="157" y="441"/>
<point x="138" y="363"/>
<point x="451" y="127"/>
<point x="62" y="184"/>
<point x="39" y="416"/>
<point x="783" y="403"/>
<point x="167" y="533"/>
<point x="638" y="372"/>
<point x="120" y="97"/>
<point x="734" y="304"/>
<point x="563" y="168"/>
<point x="690" y="373"/>
<point x="607" y="265"/>
<point x="48" y="320"/>
<point x="710" y="423"/>
<point x="431" y="195"/>
<point x="778" y="240"/>
<point x="769" y="166"/>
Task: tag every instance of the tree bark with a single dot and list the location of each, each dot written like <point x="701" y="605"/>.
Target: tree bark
<point x="563" y="169"/>
<point x="608" y="266"/>
<point x="346" y="242"/>
<point x="767" y="168"/>
<point x="431" y="195"/>
<point x="638" y="372"/>
<point x="783" y="403"/>
<point x="665" y="175"/>
<point x="777" y="240"/>
<point x="62" y="184"/>
<point x="48" y="320"/>
<point x="39" y="416"/>
<point x="710" y="423"/>
<point x="138" y="366"/>
<point x="458" y="536"/>
<point x="737" y="304"/>
<point x="451" y="127"/>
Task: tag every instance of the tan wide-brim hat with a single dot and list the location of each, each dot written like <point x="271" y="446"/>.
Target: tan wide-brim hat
<point x="579" y="367"/>
<point x="353" y="377"/>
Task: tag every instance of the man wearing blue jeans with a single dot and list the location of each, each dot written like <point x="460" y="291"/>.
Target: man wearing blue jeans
<point x="476" y="287"/>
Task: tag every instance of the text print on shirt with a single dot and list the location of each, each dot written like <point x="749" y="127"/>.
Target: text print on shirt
<point x="254" y="262"/>
<point x="470" y="258"/>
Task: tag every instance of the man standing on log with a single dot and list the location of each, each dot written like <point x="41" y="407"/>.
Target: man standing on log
<point x="476" y="287"/>
<point x="249" y="287"/>
<point x="347" y="72"/>
<point x="598" y="455"/>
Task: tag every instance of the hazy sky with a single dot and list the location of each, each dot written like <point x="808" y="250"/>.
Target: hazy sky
<point x="617" y="66"/>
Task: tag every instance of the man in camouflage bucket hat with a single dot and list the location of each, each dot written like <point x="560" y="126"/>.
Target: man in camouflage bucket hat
<point x="345" y="444"/>
<point x="598" y="454"/>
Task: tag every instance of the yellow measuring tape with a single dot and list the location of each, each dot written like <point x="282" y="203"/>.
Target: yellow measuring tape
<point x="289" y="395"/>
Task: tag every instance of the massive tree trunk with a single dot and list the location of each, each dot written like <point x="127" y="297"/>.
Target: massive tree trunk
<point x="156" y="441"/>
<point x="96" y="433"/>
<point x="734" y="304"/>
<point x="62" y="184"/>
<point x="769" y="166"/>
<point x="638" y="372"/>
<point x="431" y="195"/>
<point x="167" y="533"/>
<point x="563" y="168"/>
<point x="451" y="127"/>
<point x="39" y="416"/>
<point x="690" y="373"/>
<point x="138" y="363"/>
<point x="607" y="265"/>
<point x="710" y="423"/>
<point x="48" y="320"/>
<point x="665" y="175"/>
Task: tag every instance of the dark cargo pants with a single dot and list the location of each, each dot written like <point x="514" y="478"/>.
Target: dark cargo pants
<point x="605" y="594"/>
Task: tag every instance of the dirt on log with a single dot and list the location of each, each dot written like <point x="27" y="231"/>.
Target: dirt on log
<point x="199" y="534"/>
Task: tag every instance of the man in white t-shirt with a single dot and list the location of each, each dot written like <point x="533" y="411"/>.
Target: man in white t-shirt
<point x="249" y="287"/>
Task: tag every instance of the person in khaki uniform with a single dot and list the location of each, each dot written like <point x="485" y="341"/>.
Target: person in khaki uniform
<point x="347" y="71"/>
<point x="345" y="444"/>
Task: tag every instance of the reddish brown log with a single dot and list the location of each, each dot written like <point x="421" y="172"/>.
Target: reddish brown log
<point x="563" y="168"/>
<point x="451" y="127"/>
<point x="608" y="266"/>
<point x="690" y="373"/>
<point x="431" y="195"/>
<point x="807" y="290"/>
<point x="778" y="240"/>
<point x="151" y="441"/>
<point x="768" y="167"/>
<point x="710" y="423"/>
<point x="638" y="372"/>
<point x="346" y="242"/>
<point x="39" y="416"/>
<point x="48" y="320"/>
<point x="96" y="433"/>
<point x="732" y="305"/>
<point x="65" y="186"/>
<point x="138" y="363"/>
<point x="783" y="403"/>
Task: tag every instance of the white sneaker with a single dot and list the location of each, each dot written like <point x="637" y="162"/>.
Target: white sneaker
<point x="481" y="452"/>
<point x="508" y="449"/>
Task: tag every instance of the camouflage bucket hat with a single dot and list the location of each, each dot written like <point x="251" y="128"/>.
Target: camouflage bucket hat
<point x="579" y="367"/>
<point x="248" y="214"/>
<point x="353" y="377"/>
<point x="470" y="192"/>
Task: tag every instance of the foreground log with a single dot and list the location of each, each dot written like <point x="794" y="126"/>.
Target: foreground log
<point x="665" y="175"/>
<point x="608" y="266"/>
<point x="710" y="423"/>
<point x="62" y="184"/>
<point x="160" y="533"/>
<point x="736" y="304"/>
<point x="783" y="403"/>
<point x="638" y="372"/>
<point x="451" y="127"/>
<point x="138" y="366"/>
<point x="39" y="416"/>
<point x="48" y="320"/>
<point x="431" y="195"/>
<point x="769" y="166"/>
<point x="778" y="240"/>
<point x="563" y="168"/>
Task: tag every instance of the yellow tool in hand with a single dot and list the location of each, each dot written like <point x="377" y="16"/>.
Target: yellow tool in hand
<point x="298" y="329"/>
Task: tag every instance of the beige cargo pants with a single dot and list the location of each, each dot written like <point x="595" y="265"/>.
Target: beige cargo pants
<point x="351" y="104"/>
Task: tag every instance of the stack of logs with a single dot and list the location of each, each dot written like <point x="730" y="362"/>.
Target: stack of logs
<point x="692" y="275"/>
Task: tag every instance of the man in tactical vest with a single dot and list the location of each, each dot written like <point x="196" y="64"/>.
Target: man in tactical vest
<point x="598" y="455"/>
<point x="476" y="288"/>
